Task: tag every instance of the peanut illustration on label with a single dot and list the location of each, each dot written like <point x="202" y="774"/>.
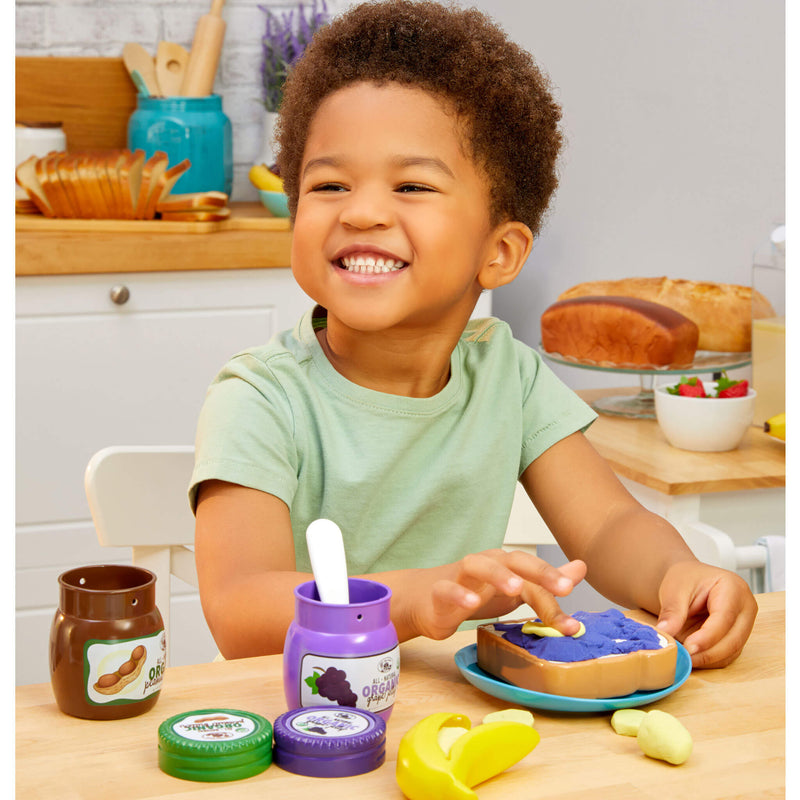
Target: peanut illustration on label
<point x="114" y="682"/>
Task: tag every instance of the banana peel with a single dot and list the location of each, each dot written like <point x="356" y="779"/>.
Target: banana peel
<point x="426" y="772"/>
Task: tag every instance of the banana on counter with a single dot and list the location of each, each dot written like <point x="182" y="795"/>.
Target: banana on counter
<point x="776" y="426"/>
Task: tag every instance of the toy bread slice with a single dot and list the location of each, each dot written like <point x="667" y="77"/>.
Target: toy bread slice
<point x="192" y="201"/>
<point x="89" y="185"/>
<point x="196" y="216"/>
<point x="104" y="184"/>
<point x="112" y="163"/>
<point x="102" y="210"/>
<point x="166" y="180"/>
<point x="51" y="164"/>
<point x="130" y="179"/>
<point x="153" y="169"/>
<point x="24" y="205"/>
<point x="66" y="173"/>
<point x="605" y="676"/>
<point x="27" y="178"/>
<point x="51" y="186"/>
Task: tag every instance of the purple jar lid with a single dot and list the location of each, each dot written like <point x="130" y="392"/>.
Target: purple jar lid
<point x="329" y="742"/>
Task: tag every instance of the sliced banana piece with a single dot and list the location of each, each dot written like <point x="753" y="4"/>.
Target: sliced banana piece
<point x="510" y="715"/>
<point x="540" y="629"/>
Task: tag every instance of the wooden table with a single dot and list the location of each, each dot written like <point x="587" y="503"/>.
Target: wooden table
<point x="735" y="716"/>
<point x="675" y="483"/>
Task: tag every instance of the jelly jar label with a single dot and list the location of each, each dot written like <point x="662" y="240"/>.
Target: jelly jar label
<point x="368" y="682"/>
<point x="124" y="670"/>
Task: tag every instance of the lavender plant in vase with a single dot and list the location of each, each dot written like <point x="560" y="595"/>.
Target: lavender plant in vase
<point x="285" y="39"/>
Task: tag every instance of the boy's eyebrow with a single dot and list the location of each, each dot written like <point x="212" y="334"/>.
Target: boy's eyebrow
<point x="401" y="161"/>
<point x="425" y="161"/>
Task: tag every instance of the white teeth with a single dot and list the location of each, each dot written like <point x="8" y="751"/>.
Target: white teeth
<point x="370" y="265"/>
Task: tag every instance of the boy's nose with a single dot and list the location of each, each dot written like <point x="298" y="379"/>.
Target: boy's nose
<point x="365" y="209"/>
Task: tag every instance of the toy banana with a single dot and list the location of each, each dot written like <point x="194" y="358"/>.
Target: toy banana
<point x="262" y="178"/>
<point x="776" y="426"/>
<point x="426" y="772"/>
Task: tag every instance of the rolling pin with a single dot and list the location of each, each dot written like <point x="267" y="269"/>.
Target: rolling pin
<point x="198" y="81"/>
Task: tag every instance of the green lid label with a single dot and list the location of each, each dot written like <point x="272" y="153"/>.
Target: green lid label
<point x="214" y="726"/>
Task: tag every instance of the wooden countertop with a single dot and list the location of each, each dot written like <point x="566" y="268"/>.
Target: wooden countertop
<point x="638" y="450"/>
<point x="250" y="239"/>
<point x="735" y="716"/>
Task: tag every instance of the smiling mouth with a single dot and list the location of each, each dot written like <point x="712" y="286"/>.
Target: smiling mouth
<point x="370" y="265"/>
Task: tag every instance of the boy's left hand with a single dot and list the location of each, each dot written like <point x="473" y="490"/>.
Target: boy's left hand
<point x="710" y="610"/>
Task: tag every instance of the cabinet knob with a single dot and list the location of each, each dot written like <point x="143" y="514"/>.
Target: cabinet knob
<point x="120" y="294"/>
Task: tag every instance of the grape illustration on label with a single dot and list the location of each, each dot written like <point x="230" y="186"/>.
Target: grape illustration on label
<point x="332" y="684"/>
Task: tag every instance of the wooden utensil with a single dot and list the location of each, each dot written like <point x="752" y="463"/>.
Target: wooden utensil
<point x="135" y="57"/>
<point x="171" y="61"/>
<point x="198" y="80"/>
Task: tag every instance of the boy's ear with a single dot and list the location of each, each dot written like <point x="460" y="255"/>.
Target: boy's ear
<point x="512" y="245"/>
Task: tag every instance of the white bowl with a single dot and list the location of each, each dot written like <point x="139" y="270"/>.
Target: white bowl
<point x="704" y="424"/>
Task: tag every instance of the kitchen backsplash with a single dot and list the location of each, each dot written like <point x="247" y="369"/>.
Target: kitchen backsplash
<point x="102" y="27"/>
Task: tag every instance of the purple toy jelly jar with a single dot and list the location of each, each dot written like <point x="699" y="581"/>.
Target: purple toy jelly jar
<point x="342" y="655"/>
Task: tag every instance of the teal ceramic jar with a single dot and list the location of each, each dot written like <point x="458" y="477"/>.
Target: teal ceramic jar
<point x="187" y="127"/>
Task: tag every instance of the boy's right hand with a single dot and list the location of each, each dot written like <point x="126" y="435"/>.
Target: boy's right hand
<point x="494" y="582"/>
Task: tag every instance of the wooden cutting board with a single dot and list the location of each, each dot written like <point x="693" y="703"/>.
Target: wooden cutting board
<point x="247" y="217"/>
<point x="93" y="102"/>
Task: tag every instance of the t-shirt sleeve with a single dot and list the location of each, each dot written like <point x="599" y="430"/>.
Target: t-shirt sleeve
<point x="551" y="411"/>
<point x="245" y="432"/>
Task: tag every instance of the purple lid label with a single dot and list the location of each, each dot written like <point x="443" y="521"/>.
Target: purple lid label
<point x="333" y="723"/>
<point x="369" y="682"/>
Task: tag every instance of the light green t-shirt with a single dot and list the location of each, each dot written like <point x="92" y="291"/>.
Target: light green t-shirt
<point x="411" y="482"/>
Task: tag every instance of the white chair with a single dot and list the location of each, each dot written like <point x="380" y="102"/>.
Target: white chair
<point x="526" y="528"/>
<point x="138" y="498"/>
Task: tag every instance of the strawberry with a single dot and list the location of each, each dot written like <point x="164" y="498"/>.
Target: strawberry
<point x="728" y="388"/>
<point x="691" y="388"/>
<point x="738" y="389"/>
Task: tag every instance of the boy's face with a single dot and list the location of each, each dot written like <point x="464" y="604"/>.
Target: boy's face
<point x="392" y="224"/>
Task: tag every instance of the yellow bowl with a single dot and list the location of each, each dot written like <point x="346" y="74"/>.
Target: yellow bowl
<point x="277" y="203"/>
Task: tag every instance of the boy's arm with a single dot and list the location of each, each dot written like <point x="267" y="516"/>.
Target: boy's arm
<point x="246" y="569"/>
<point x="635" y="557"/>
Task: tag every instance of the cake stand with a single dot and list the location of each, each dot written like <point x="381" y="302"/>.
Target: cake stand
<point x="642" y="405"/>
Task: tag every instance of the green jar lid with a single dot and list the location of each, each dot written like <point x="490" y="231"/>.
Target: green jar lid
<point x="214" y="744"/>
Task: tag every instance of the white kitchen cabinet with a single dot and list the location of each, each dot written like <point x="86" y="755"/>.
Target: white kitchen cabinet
<point x="91" y="372"/>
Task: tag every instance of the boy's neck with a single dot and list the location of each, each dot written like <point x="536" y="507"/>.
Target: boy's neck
<point x="408" y="365"/>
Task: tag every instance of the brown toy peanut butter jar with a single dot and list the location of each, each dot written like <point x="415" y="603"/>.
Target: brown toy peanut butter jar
<point x="107" y="644"/>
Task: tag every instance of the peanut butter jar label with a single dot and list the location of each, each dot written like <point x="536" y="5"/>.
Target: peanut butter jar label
<point x="122" y="671"/>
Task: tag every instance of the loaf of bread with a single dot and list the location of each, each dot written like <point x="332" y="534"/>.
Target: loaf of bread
<point x="615" y="656"/>
<point x="722" y="311"/>
<point x="115" y="184"/>
<point x="619" y="332"/>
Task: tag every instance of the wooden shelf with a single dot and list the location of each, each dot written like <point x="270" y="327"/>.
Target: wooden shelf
<point x="638" y="450"/>
<point x="250" y="239"/>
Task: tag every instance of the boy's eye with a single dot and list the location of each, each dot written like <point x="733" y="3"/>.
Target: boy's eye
<point x="328" y="187"/>
<point x="414" y="187"/>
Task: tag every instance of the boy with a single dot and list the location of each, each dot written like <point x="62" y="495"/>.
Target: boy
<point x="418" y="148"/>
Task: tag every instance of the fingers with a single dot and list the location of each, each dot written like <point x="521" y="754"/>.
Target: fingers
<point x="497" y="581"/>
<point x="712" y="616"/>
<point x="722" y="636"/>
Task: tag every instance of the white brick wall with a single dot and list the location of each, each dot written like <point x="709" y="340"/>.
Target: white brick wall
<point x="102" y="27"/>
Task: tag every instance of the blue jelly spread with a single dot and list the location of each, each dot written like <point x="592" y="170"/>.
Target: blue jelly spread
<point x="607" y="633"/>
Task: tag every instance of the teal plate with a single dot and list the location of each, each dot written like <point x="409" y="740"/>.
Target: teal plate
<point x="467" y="663"/>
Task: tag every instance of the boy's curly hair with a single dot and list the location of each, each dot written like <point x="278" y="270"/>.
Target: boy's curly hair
<point x="459" y="55"/>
